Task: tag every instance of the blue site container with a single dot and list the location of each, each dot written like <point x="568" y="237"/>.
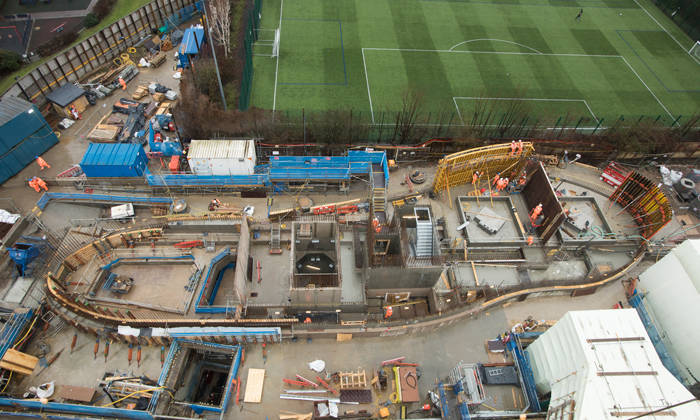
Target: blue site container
<point x="114" y="160"/>
<point x="24" y="134"/>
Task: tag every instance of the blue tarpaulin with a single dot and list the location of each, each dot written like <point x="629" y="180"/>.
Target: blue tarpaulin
<point x="191" y="45"/>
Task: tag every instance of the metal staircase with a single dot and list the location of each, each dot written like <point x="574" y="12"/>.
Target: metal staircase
<point x="275" y="239"/>
<point x="424" y="232"/>
<point x="378" y="189"/>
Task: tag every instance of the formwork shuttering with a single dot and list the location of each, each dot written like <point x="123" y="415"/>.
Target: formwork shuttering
<point x="645" y="202"/>
<point x="458" y="168"/>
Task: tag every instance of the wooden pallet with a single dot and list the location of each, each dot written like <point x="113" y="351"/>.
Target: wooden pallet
<point x="353" y="380"/>
<point x="159" y="97"/>
<point x="254" y="386"/>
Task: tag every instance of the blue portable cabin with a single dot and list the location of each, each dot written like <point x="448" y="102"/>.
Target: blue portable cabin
<point x="103" y="160"/>
<point x="191" y="45"/>
<point x="24" y="134"/>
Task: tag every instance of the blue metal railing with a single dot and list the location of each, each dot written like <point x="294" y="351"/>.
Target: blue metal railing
<point x="522" y="362"/>
<point x="637" y="302"/>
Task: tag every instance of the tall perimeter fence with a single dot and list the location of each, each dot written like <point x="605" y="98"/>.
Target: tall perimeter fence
<point x="251" y="35"/>
<point x="405" y="127"/>
<point x="101" y="48"/>
<point x="684" y="13"/>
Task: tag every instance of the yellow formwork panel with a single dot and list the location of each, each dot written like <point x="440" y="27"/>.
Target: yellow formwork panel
<point x="458" y="168"/>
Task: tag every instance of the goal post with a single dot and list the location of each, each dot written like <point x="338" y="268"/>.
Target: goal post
<point x="268" y="43"/>
<point x="695" y="51"/>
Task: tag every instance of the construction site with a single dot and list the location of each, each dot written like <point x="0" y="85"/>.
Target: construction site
<point x="240" y="282"/>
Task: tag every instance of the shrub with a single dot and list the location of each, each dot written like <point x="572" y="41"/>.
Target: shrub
<point x="101" y="9"/>
<point x="91" y="20"/>
<point x="9" y="61"/>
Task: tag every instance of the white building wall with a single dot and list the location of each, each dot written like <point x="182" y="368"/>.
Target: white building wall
<point x="673" y="298"/>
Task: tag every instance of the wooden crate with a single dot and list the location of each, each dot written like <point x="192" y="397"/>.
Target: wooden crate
<point x="353" y="380"/>
<point x="158" y="97"/>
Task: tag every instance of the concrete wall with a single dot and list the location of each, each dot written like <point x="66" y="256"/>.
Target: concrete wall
<point x="398" y="279"/>
<point x="241" y="275"/>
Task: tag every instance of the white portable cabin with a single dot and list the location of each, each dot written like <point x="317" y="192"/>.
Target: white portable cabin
<point x="222" y="157"/>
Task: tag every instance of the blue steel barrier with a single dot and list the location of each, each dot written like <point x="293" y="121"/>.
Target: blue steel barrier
<point x="206" y="309"/>
<point x="12" y="329"/>
<point x="52" y="196"/>
<point x="637" y="302"/>
<point x="101" y="412"/>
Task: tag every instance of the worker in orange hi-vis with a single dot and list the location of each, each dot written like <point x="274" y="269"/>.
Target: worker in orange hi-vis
<point x="512" y="148"/>
<point x="475" y="177"/>
<point x="307" y="320"/>
<point x="123" y="83"/>
<point x="530" y="240"/>
<point x="33" y="184"/>
<point x="535" y="212"/>
<point x="496" y="178"/>
<point x="520" y="147"/>
<point x="389" y="312"/>
<point x="42" y="162"/>
<point x="40" y="182"/>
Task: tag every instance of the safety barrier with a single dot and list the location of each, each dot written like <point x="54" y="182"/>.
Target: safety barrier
<point x="97" y="198"/>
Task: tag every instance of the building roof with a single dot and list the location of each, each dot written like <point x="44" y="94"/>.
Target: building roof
<point x="602" y="365"/>
<point x="222" y="149"/>
<point x="11" y="107"/>
<point x="65" y="95"/>
<point x="672" y="287"/>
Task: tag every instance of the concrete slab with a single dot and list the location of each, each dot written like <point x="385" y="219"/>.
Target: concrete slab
<point x="437" y="352"/>
<point x="499" y="275"/>
<point x="154" y="284"/>
<point x="274" y="287"/>
<point x="18" y="290"/>
<point x="81" y="368"/>
<point x="353" y="287"/>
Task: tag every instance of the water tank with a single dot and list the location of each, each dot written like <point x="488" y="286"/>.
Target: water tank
<point x="684" y="186"/>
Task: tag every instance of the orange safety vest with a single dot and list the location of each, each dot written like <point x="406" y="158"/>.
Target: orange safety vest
<point x="389" y="312"/>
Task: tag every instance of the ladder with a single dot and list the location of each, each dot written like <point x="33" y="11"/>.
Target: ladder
<point x="275" y="239"/>
<point x="379" y="199"/>
<point x="424" y="233"/>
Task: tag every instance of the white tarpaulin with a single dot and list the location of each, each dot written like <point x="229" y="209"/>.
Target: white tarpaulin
<point x="317" y="365"/>
<point x="7" y="217"/>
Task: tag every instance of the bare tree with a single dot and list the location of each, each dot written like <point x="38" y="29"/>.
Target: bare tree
<point x="220" y="23"/>
<point x="412" y="109"/>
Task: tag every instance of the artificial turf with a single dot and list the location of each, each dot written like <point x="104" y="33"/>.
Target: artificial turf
<point x="624" y="58"/>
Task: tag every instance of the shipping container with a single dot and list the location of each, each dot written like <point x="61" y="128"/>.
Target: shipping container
<point x="222" y="157"/>
<point x="24" y="134"/>
<point x="103" y="160"/>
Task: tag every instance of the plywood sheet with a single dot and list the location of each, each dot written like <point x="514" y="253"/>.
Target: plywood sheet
<point x="344" y="337"/>
<point x="254" y="386"/>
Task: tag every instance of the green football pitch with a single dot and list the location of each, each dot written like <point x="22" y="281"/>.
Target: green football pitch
<point x="623" y="58"/>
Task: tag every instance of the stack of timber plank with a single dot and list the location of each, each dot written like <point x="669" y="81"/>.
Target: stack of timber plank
<point x="103" y="132"/>
<point x="18" y="362"/>
<point x="157" y="60"/>
<point x="140" y="92"/>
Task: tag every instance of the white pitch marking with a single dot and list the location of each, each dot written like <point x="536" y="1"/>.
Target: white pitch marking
<point x="494" y="39"/>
